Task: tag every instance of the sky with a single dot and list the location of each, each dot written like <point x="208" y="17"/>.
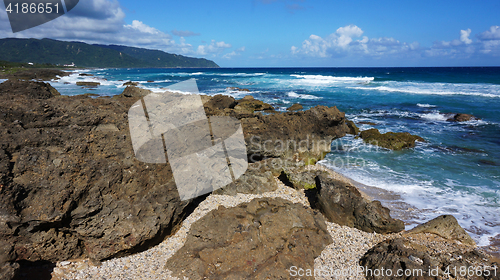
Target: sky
<point x="289" y="33"/>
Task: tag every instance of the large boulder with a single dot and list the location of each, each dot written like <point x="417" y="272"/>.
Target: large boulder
<point x="261" y="239"/>
<point x="248" y="104"/>
<point x="70" y="185"/>
<point x="390" y="140"/>
<point x="342" y="203"/>
<point x="295" y="107"/>
<point x="256" y="180"/>
<point x="353" y="129"/>
<point x="445" y="226"/>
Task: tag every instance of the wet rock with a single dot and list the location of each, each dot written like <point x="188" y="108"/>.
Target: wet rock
<point x="88" y="84"/>
<point x="462" y="118"/>
<point x="295" y="107"/>
<point x="238" y="89"/>
<point x="353" y="129"/>
<point x="256" y="240"/>
<point x="427" y="256"/>
<point x="85" y="75"/>
<point x="390" y="140"/>
<point x="445" y="226"/>
<point x="343" y="204"/>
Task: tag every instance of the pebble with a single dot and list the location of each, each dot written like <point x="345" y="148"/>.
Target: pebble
<point x="348" y="246"/>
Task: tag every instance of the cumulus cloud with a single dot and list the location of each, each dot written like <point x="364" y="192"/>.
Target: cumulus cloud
<point x="348" y="40"/>
<point x="492" y="34"/>
<point x="464" y="36"/>
<point x="103" y="22"/>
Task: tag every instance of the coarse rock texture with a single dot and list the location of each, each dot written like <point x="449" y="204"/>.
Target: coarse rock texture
<point x="429" y="256"/>
<point x="445" y="226"/>
<point x="353" y="129"/>
<point x="295" y="107"/>
<point x="343" y="204"/>
<point x="71" y="186"/>
<point x="462" y="118"/>
<point x="257" y="240"/>
<point x="256" y="180"/>
<point x="249" y="105"/>
<point x="390" y="140"/>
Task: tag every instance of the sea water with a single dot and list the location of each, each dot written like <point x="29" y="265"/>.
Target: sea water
<point x="456" y="171"/>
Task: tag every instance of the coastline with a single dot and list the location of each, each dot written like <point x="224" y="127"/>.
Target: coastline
<point x="344" y="237"/>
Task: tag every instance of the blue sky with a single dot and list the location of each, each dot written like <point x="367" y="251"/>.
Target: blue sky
<point x="288" y="33"/>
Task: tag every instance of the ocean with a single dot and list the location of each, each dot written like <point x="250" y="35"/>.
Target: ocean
<point x="456" y="171"/>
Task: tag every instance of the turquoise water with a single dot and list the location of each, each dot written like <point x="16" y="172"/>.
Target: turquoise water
<point x="457" y="171"/>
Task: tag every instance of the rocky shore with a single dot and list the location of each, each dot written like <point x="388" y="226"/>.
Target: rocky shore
<point x="76" y="202"/>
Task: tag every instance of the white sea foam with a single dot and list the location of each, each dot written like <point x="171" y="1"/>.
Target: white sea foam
<point x="293" y="94"/>
<point x="426" y="105"/>
<point x="483" y="90"/>
<point x="3" y="80"/>
<point x="435" y="116"/>
<point x="327" y="80"/>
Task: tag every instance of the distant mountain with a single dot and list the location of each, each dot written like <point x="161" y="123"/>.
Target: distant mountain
<point x="85" y="55"/>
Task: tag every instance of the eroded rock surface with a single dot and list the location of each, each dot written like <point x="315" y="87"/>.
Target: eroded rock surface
<point x="256" y="240"/>
<point x="343" y="204"/>
<point x="390" y="140"/>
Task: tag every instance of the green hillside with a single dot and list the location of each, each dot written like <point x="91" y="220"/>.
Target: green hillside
<point x="85" y="55"/>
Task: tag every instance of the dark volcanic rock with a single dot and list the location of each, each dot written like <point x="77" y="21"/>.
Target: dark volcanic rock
<point x="462" y="118"/>
<point x="427" y="256"/>
<point x="390" y="140"/>
<point x="353" y="129"/>
<point x="295" y="107"/>
<point x="256" y="240"/>
<point x="70" y="185"/>
<point x="343" y="204"/>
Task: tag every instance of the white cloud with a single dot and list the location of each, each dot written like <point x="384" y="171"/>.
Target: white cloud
<point x="141" y="27"/>
<point x="492" y="34"/>
<point x="344" y="42"/>
<point x="464" y="36"/>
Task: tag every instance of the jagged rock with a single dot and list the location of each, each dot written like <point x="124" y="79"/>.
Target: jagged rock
<point x="17" y="89"/>
<point x="299" y="178"/>
<point x="130" y="83"/>
<point x="429" y="255"/>
<point x="343" y="204"/>
<point x="70" y="185"/>
<point x="133" y="91"/>
<point x="445" y="226"/>
<point x="256" y="180"/>
<point x="295" y="107"/>
<point x="353" y="129"/>
<point x="462" y="118"/>
<point x="85" y="75"/>
<point x="249" y="105"/>
<point x="303" y="136"/>
<point x="256" y="240"/>
<point x="390" y="140"/>
<point x="216" y="104"/>
<point x="88" y="84"/>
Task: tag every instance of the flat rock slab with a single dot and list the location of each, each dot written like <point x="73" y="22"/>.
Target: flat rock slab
<point x="261" y="239"/>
